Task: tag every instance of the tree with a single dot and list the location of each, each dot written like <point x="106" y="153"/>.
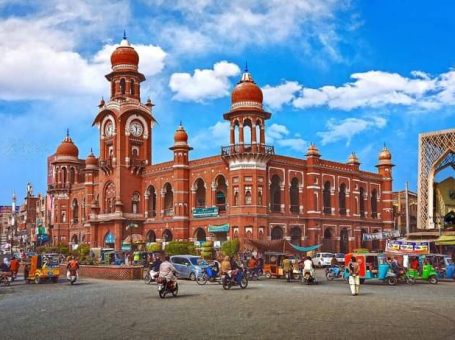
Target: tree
<point x="231" y="247"/>
<point x="180" y="248"/>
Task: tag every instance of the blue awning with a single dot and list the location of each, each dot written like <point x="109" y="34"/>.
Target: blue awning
<point x="224" y="228"/>
<point x="305" y="249"/>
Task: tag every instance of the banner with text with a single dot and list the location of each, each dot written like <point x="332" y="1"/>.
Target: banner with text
<point x="408" y="247"/>
<point x="383" y="235"/>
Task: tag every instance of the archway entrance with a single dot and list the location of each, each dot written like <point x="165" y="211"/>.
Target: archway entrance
<point x="151" y="236"/>
<point x="296" y="236"/>
<point x="344" y="241"/>
<point x="328" y="242"/>
<point x="200" y="235"/>
<point x="167" y="236"/>
<point x="109" y="240"/>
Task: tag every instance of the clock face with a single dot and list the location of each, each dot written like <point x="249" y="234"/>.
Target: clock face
<point x="109" y="129"/>
<point x="136" y="128"/>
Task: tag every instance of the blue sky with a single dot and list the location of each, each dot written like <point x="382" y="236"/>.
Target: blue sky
<point x="345" y="75"/>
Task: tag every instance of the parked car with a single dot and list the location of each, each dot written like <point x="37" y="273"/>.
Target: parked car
<point x="188" y="266"/>
<point x="322" y="259"/>
<point x="340" y="258"/>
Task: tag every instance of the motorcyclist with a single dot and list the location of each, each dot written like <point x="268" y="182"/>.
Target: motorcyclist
<point x="308" y="267"/>
<point x="252" y="263"/>
<point x="155" y="267"/>
<point x="14" y="266"/>
<point x="287" y="269"/>
<point x="167" y="270"/>
<point x="72" y="265"/>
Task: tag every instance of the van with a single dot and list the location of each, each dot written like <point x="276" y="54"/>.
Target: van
<point x="188" y="266"/>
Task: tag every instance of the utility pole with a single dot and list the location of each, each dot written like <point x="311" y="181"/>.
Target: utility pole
<point x="407" y="209"/>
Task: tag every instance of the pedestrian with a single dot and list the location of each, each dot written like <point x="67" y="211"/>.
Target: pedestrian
<point x="14" y="266"/>
<point x="287" y="267"/>
<point x="354" y="279"/>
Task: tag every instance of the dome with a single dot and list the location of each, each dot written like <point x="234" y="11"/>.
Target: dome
<point x="124" y="55"/>
<point x="313" y="151"/>
<point x="353" y="159"/>
<point x="385" y="154"/>
<point x="180" y="136"/>
<point x="91" y="160"/>
<point x="246" y="94"/>
<point x="67" y="148"/>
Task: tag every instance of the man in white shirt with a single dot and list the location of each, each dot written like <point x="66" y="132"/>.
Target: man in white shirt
<point x="308" y="266"/>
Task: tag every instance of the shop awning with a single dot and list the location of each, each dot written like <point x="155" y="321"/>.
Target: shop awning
<point x="445" y="240"/>
<point x="224" y="228"/>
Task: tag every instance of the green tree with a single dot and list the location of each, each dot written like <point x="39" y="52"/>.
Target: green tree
<point x="180" y="248"/>
<point x="231" y="247"/>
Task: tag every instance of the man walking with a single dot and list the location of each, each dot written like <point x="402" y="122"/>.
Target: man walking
<point x="354" y="279"/>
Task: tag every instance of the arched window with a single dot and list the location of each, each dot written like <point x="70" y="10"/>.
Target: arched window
<point x="64" y="175"/>
<point x="344" y="240"/>
<point x="247" y="134"/>
<point x="275" y="194"/>
<point x="326" y="199"/>
<point x="122" y="86"/>
<point x="151" y="202"/>
<point x="277" y="233"/>
<point x="362" y="202"/>
<point x="72" y="175"/>
<point x="220" y="193"/>
<point x="248" y="199"/>
<point x="374" y="203"/>
<point x="200" y="235"/>
<point x="296" y="236"/>
<point x="200" y="193"/>
<point x="168" y="200"/>
<point x="167" y="236"/>
<point x="132" y="87"/>
<point x="151" y="237"/>
<point x="294" y="195"/>
<point x="75" y="211"/>
<point x="109" y="198"/>
<point x="342" y="199"/>
<point x="260" y="196"/>
<point x="135" y="203"/>
<point x="236" y="198"/>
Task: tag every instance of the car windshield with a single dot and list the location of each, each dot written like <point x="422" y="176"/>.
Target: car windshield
<point x="339" y="255"/>
<point x="327" y="255"/>
<point x="196" y="261"/>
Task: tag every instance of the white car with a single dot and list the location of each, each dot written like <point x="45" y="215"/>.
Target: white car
<point x="322" y="259"/>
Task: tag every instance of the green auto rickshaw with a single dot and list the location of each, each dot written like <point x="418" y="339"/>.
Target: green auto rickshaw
<point x="425" y="272"/>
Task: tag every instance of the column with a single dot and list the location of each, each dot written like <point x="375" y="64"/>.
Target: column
<point x="241" y="138"/>
<point x="253" y="138"/>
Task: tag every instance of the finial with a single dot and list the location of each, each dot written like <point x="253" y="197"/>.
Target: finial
<point x="91" y="150"/>
<point x="246" y="66"/>
<point x="124" y="34"/>
<point x="67" y="132"/>
<point x="180" y="123"/>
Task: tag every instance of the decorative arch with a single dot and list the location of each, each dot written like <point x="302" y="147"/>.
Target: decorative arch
<point x="326" y="198"/>
<point x="294" y="196"/>
<point x="107" y="118"/>
<point x="200" y="235"/>
<point x="374" y="203"/>
<point x="151" y="236"/>
<point x="247" y="133"/>
<point x="220" y="192"/>
<point x="72" y="175"/>
<point x="109" y="240"/>
<point x="342" y="199"/>
<point x="275" y="194"/>
<point x="277" y="233"/>
<point x="151" y="201"/>
<point x="199" y="187"/>
<point x="138" y="117"/>
<point x="109" y="197"/>
<point x="122" y="86"/>
<point x="64" y="175"/>
<point x="168" y="200"/>
<point x="362" y="202"/>
<point x="296" y="236"/>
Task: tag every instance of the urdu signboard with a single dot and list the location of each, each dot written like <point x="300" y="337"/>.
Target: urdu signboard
<point x="205" y="212"/>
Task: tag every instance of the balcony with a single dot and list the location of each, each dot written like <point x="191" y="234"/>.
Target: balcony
<point x="232" y="150"/>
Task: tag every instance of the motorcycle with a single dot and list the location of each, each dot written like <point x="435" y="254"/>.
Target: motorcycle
<point x="254" y="273"/>
<point x="307" y="278"/>
<point x="208" y="274"/>
<point x="334" y="273"/>
<point x="72" y="276"/>
<point x="150" y="277"/>
<point x="167" y="287"/>
<point x="5" y="278"/>
<point x="237" y="278"/>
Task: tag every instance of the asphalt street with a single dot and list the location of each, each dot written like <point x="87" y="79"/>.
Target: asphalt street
<point x="267" y="309"/>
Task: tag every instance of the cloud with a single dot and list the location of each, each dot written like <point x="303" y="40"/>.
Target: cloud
<point x="40" y="59"/>
<point x="277" y="133"/>
<point x="347" y="128"/>
<point x="235" y="25"/>
<point x="204" y="84"/>
<point x="372" y="89"/>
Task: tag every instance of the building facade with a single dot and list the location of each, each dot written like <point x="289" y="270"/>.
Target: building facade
<point x="399" y="211"/>
<point x="246" y="191"/>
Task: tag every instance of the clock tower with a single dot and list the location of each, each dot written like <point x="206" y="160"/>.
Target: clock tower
<point x="125" y="126"/>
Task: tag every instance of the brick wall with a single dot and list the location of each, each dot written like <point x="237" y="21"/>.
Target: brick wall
<point x="108" y="272"/>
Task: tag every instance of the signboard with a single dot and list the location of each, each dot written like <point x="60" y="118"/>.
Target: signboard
<point x="205" y="212"/>
<point x="224" y="228"/>
<point x="383" y="235"/>
<point x="407" y="247"/>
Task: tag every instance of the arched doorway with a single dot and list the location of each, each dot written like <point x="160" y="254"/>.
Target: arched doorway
<point x="151" y="236"/>
<point x="200" y="235"/>
<point x="109" y="240"/>
<point x="344" y="241"/>
<point x="296" y="236"/>
<point x="277" y="233"/>
<point x="167" y="236"/>
<point x="328" y="241"/>
<point x="275" y="194"/>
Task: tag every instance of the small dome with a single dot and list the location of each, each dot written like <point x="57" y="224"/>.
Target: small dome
<point x="353" y="159"/>
<point x="124" y="55"/>
<point x="385" y="154"/>
<point x="180" y="136"/>
<point x="67" y="148"/>
<point x="246" y="94"/>
<point x="313" y="151"/>
<point x="91" y="160"/>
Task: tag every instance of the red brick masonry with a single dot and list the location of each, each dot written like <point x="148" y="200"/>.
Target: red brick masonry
<point x="108" y="272"/>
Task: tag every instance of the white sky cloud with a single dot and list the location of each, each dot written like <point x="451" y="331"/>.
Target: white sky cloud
<point x="204" y="84"/>
<point x="347" y="128"/>
<point x="372" y="89"/>
<point x="277" y="134"/>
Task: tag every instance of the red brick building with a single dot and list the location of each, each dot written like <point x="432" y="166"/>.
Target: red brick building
<point x="246" y="191"/>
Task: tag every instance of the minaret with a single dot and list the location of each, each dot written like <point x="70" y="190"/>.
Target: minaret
<point x="385" y="170"/>
<point x="181" y="175"/>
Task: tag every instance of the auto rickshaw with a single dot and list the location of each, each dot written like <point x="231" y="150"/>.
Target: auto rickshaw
<point x="273" y="265"/>
<point x="443" y="264"/>
<point x="372" y="266"/>
<point x="44" y="267"/>
<point x="426" y="272"/>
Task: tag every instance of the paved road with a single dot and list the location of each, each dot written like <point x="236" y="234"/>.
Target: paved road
<point x="267" y="309"/>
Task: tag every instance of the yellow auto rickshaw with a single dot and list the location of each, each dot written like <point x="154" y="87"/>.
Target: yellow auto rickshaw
<point x="43" y="267"/>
